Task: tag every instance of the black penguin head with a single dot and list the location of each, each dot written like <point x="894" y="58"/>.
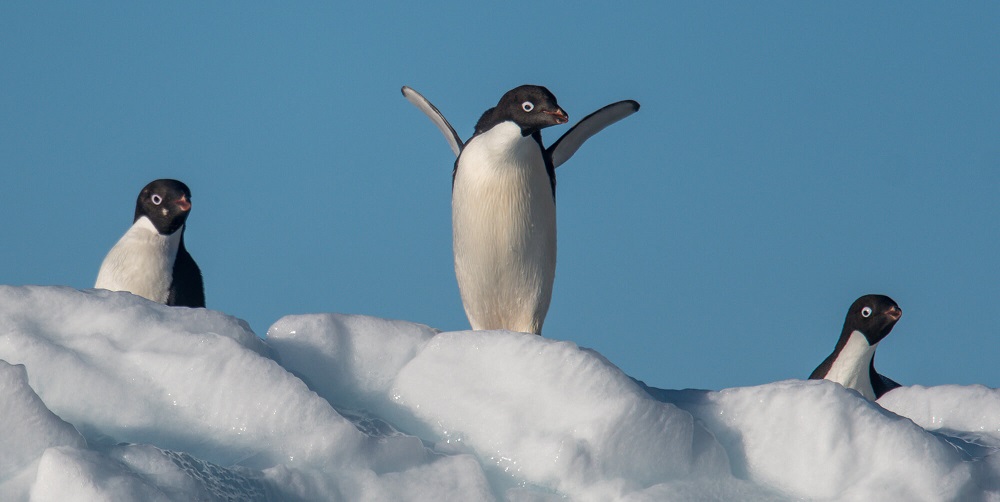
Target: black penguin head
<point x="873" y="316"/>
<point x="532" y="107"/>
<point x="166" y="203"/>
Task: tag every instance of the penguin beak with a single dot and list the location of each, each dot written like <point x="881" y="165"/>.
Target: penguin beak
<point x="894" y="313"/>
<point x="559" y="116"/>
<point x="183" y="203"/>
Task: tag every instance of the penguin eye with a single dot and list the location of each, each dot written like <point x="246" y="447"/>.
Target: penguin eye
<point x="866" y="312"/>
<point x="527" y="106"/>
<point x="156" y="199"/>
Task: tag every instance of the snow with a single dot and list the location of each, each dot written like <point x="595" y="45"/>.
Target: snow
<point x="108" y="396"/>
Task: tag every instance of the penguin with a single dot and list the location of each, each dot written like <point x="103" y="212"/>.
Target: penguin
<point x="150" y="260"/>
<point x="503" y="203"/>
<point x="852" y="364"/>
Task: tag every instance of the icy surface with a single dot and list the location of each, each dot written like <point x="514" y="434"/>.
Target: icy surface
<point x="108" y="396"/>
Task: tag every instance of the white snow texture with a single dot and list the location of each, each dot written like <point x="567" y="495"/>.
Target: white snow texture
<point x="110" y="397"/>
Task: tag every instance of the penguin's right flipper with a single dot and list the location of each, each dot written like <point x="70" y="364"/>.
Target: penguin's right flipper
<point x="435" y="115"/>
<point x="569" y="143"/>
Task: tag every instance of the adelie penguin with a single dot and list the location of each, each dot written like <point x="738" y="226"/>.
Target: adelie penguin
<point x="150" y="259"/>
<point x="503" y="203"/>
<point x="852" y="363"/>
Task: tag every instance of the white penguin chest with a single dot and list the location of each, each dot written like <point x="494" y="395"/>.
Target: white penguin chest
<point x="504" y="230"/>
<point x="502" y="191"/>
<point x="851" y="368"/>
<point x="141" y="262"/>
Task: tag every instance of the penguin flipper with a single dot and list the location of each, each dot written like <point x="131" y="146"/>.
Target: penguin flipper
<point x="890" y="383"/>
<point x="880" y="383"/>
<point x="569" y="143"/>
<point x="186" y="272"/>
<point x="435" y="115"/>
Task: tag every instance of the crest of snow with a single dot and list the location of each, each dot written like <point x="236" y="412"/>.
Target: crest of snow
<point x="109" y="396"/>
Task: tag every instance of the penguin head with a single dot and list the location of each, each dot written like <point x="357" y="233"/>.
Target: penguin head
<point x="166" y="203"/>
<point x="531" y="107"/>
<point x="873" y="316"/>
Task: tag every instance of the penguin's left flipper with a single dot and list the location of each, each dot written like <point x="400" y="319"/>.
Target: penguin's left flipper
<point x="883" y="384"/>
<point x="186" y="272"/>
<point x="435" y="115"/>
<point x="569" y="143"/>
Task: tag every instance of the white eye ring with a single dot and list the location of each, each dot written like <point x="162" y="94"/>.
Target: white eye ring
<point x="156" y="199"/>
<point x="527" y="106"/>
<point x="866" y="312"/>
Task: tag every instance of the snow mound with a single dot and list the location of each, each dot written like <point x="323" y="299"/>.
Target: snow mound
<point x="189" y="395"/>
<point x="112" y="397"/>
<point x="532" y="410"/>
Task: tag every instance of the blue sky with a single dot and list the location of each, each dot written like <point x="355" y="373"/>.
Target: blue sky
<point x="788" y="158"/>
